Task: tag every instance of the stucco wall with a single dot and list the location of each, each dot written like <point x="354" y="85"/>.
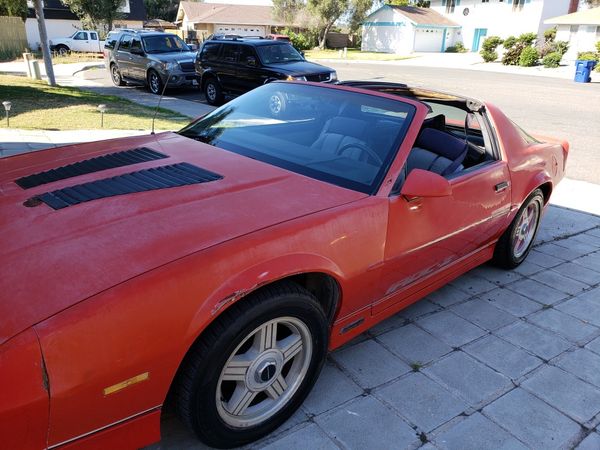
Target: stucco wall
<point x="581" y="38"/>
<point x="388" y="32"/>
<point x="500" y="18"/>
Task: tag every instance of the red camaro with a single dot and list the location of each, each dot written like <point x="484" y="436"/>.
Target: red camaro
<point x="216" y="266"/>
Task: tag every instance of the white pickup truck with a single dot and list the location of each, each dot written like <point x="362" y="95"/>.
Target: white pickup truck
<point x="80" y="41"/>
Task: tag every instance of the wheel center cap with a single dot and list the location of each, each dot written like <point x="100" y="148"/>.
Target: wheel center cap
<point x="266" y="371"/>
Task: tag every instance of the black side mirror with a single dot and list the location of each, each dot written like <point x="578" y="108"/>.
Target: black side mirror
<point x="251" y="61"/>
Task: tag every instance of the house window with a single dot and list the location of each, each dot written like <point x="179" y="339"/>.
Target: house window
<point x="450" y="5"/>
<point x="485" y="1"/>
<point x="518" y="4"/>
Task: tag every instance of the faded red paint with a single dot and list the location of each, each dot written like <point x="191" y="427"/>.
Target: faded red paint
<point x="137" y="278"/>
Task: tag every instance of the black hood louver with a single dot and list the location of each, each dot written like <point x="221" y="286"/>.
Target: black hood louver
<point x="163" y="177"/>
<point x="104" y="162"/>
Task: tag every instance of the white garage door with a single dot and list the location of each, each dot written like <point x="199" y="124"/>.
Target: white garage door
<point x="241" y="30"/>
<point x="428" y="39"/>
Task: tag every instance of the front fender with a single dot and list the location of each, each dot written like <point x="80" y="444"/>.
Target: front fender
<point x="241" y="284"/>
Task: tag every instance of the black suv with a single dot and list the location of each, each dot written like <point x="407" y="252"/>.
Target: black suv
<point x="237" y="65"/>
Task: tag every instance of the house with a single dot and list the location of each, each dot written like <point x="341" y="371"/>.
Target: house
<point x="205" y="19"/>
<point x="480" y="18"/>
<point x="61" y="22"/>
<point x="407" y="29"/>
<point x="581" y="29"/>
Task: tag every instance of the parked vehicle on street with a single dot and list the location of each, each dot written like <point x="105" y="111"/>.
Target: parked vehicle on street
<point x="151" y="58"/>
<point x="80" y="41"/>
<point x="279" y="37"/>
<point x="232" y="66"/>
<point x="219" y="264"/>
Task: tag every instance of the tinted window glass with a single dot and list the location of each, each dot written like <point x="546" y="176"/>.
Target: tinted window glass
<point x="278" y="53"/>
<point x="136" y="43"/>
<point x="111" y="41"/>
<point x="246" y="52"/>
<point x="165" y="44"/>
<point x="93" y="36"/>
<point x="125" y="43"/>
<point x="81" y="36"/>
<point x="210" y="51"/>
<point x="229" y="53"/>
<point x="344" y="138"/>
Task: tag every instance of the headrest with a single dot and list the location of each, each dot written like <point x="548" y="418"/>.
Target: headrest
<point x="441" y="143"/>
<point x="346" y="126"/>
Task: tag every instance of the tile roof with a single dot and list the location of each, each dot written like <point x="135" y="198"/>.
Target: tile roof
<point x="230" y="14"/>
<point x="424" y="16"/>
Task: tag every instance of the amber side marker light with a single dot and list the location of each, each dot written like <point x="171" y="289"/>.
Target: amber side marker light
<point x="126" y="383"/>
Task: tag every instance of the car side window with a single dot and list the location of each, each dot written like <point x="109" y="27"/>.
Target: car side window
<point x="230" y="53"/>
<point x="247" y="55"/>
<point x="136" y="44"/>
<point x="125" y="43"/>
<point x="81" y="36"/>
<point x="210" y="51"/>
<point x="93" y="36"/>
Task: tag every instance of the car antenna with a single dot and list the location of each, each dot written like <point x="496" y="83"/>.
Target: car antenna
<point x="162" y="94"/>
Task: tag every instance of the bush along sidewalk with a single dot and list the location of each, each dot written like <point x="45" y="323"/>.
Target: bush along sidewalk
<point x="516" y="46"/>
<point x="552" y="51"/>
<point x="488" y="48"/>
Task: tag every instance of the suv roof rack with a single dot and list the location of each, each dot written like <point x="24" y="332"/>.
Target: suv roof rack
<point x="231" y="37"/>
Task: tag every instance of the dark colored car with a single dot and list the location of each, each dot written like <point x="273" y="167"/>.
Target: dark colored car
<point x="149" y="58"/>
<point x="234" y="66"/>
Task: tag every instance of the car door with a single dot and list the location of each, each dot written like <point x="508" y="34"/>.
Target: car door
<point x="80" y="42"/>
<point x="227" y="67"/>
<point x="250" y="74"/>
<point x="137" y="60"/>
<point x="427" y="235"/>
<point x="122" y="55"/>
<point x="94" y="43"/>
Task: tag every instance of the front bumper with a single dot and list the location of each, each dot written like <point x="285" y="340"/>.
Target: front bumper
<point x="179" y="78"/>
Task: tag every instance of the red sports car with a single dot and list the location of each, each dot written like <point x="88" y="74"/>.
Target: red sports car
<point x="216" y="266"/>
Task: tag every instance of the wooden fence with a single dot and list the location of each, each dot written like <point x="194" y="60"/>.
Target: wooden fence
<point x="13" y="40"/>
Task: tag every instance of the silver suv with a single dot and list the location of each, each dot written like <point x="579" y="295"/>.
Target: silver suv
<point x="151" y="58"/>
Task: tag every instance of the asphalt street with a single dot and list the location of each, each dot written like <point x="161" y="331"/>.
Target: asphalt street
<point x="541" y="105"/>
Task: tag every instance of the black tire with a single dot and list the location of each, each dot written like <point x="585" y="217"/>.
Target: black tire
<point x="505" y="253"/>
<point x="199" y="378"/>
<point x="213" y="92"/>
<point x="155" y="83"/>
<point x="115" y="75"/>
<point x="62" y="49"/>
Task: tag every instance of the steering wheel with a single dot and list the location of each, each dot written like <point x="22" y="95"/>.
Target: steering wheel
<point x="362" y="147"/>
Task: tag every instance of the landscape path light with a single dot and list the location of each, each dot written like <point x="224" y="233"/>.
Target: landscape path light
<point x="7" y="105"/>
<point x="102" y="108"/>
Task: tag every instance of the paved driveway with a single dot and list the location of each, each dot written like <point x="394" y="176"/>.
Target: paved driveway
<point x="497" y="359"/>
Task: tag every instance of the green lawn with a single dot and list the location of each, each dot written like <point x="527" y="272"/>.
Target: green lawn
<point x="73" y="57"/>
<point x="35" y="105"/>
<point x="354" y="54"/>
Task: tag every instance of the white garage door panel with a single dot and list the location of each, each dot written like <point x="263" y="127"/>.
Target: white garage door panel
<point x="241" y="30"/>
<point x="428" y="40"/>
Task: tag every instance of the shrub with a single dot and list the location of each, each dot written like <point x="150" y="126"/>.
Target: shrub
<point x="527" y="38"/>
<point x="456" y="48"/>
<point x="562" y="47"/>
<point x="489" y="55"/>
<point x="300" y="41"/>
<point x="512" y="54"/>
<point x="529" y="57"/>
<point x="491" y="43"/>
<point x="598" y="46"/>
<point x="509" y="42"/>
<point x="552" y="60"/>
<point x="550" y="34"/>
<point x="587" y="56"/>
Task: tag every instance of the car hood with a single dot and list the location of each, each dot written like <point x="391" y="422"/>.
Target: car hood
<point x="53" y="259"/>
<point x="174" y="56"/>
<point x="299" y="68"/>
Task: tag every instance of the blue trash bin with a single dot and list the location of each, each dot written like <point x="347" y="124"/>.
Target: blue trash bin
<point x="583" y="69"/>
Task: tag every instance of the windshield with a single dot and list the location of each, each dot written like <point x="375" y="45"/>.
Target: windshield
<point x="278" y="53"/>
<point x="345" y="138"/>
<point x="164" y="44"/>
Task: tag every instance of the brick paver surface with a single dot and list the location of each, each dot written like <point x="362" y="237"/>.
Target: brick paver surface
<point x="495" y="360"/>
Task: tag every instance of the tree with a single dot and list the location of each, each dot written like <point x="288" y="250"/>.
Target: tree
<point x="286" y="10"/>
<point x="15" y="8"/>
<point x="162" y="9"/>
<point x="593" y="3"/>
<point x="358" y="13"/>
<point x="328" y="11"/>
<point x="96" y="13"/>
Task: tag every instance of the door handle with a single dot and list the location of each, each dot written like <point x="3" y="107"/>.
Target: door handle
<point x="501" y="186"/>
